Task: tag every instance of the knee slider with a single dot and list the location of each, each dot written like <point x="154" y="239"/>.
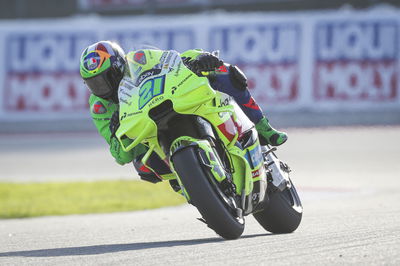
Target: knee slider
<point x="238" y="78"/>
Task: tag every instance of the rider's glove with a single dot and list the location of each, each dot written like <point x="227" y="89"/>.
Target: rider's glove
<point x="114" y="123"/>
<point x="205" y="62"/>
<point x="238" y="78"/>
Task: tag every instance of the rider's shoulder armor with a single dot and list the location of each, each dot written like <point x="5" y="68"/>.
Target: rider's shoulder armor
<point x="101" y="108"/>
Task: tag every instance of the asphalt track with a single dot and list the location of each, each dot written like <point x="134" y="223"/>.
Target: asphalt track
<point x="348" y="179"/>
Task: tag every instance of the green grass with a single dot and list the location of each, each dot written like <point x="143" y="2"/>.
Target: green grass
<point x="18" y="200"/>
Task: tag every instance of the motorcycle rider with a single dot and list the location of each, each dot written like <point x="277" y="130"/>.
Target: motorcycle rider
<point x="104" y="69"/>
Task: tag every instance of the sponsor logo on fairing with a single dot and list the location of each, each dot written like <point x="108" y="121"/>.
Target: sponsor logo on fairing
<point x="140" y="57"/>
<point x="126" y="115"/>
<point x="178" y="69"/>
<point x="184" y="80"/>
<point x="255" y="173"/>
<point x="356" y="61"/>
<point x="224" y="102"/>
<point x="163" y="56"/>
<point x="254" y="156"/>
<point x="146" y="74"/>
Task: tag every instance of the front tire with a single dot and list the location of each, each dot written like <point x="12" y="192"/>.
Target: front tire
<point x="284" y="212"/>
<point x="203" y="195"/>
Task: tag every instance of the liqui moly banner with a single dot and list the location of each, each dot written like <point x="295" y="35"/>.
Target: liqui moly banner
<point x="356" y="62"/>
<point x="268" y="53"/>
<point x="342" y="60"/>
<point x="40" y="72"/>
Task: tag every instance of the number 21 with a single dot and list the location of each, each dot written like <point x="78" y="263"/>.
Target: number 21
<point x="150" y="89"/>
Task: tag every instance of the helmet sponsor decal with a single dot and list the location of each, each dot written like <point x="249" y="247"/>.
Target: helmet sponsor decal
<point x="92" y="61"/>
<point x="95" y="59"/>
<point x="99" y="108"/>
<point x="101" y="47"/>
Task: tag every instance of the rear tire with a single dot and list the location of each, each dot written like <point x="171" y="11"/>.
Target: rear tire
<point x="203" y="195"/>
<point x="284" y="212"/>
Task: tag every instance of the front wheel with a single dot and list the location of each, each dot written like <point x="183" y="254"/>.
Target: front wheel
<point x="283" y="213"/>
<point x="205" y="195"/>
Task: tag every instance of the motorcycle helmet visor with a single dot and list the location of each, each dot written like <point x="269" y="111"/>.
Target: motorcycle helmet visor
<point x="104" y="84"/>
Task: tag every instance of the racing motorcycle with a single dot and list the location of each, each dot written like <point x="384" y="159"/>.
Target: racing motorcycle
<point x="210" y="145"/>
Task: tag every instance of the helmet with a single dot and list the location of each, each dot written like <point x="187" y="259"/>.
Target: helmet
<point x="102" y="68"/>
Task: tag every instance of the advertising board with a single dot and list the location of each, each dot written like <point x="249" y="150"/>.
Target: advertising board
<point x="332" y="61"/>
<point x="41" y="73"/>
<point x="268" y="53"/>
<point x="356" y="61"/>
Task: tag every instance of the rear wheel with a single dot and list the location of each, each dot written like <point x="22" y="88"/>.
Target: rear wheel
<point x="284" y="212"/>
<point x="206" y="195"/>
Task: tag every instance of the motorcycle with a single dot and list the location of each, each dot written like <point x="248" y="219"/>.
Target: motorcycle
<point x="210" y="145"/>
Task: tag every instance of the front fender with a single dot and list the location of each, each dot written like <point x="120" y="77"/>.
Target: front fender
<point x="207" y="157"/>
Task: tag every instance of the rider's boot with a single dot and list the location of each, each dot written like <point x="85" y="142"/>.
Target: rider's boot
<point x="269" y="135"/>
